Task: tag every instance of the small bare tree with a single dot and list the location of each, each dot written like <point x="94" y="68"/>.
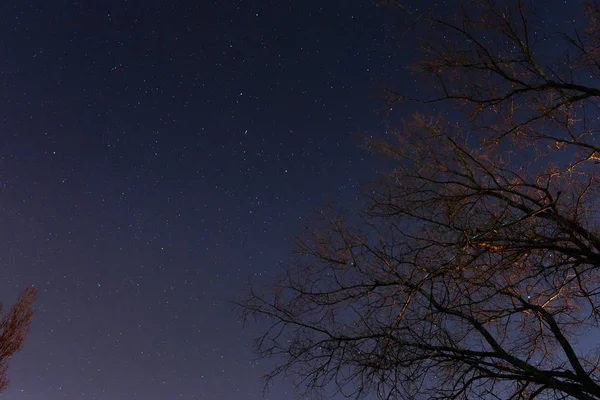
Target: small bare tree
<point x="14" y="327"/>
<point x="473" y="271"/>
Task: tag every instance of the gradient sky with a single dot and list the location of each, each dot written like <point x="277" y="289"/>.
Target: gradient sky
<point x="155" y="157"/>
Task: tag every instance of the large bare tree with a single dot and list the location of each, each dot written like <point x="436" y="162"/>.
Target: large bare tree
<point x="473" y="270"/>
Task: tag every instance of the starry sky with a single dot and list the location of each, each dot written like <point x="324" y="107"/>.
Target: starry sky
<point x="155" y="157"/>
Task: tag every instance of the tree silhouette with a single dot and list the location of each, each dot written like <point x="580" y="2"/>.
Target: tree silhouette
<point x="14" y="327"/>
<point x="473" y="270"/>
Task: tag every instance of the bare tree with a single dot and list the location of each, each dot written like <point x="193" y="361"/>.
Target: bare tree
<point x="14" y="327"/>
<point x="473" y="271"/>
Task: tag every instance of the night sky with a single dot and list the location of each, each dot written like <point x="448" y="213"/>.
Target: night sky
<point x="155" y="157"/>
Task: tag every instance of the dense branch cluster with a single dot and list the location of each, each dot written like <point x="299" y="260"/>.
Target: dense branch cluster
<point x="14" y="327"/>
<point x="474" y="270"/>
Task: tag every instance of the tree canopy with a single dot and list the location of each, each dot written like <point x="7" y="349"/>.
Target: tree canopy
<point x="473" y="270"/>
<point x="14" y="328"/>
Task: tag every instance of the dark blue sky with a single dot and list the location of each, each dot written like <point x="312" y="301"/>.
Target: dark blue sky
<point x="155" y="156"/>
